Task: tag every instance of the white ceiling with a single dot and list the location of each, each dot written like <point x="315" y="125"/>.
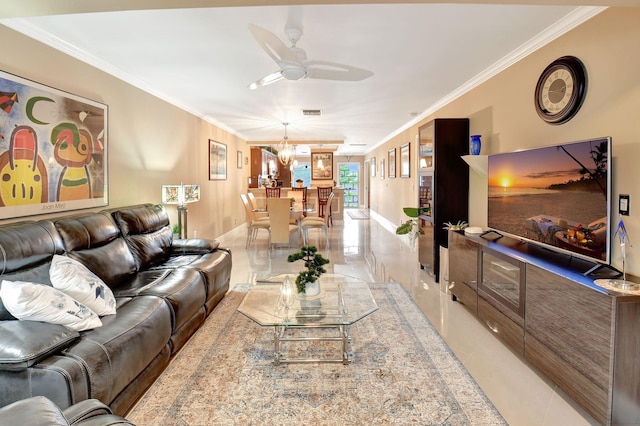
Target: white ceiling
<point x="422" y="55"/>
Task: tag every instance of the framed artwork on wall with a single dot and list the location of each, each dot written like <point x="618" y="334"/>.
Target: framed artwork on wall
<point x="217" y="160"/>
<point x="392" y="163"/>
<point x="382" y="168"/>
<point x="53" y="149"/>
<point x="239" y="159"/>
<point x="405" y="160"/>
<point x="372" y="166"/>
<point x="321" y="165"/>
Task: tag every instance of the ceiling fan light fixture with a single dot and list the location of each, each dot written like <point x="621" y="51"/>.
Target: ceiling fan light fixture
<point x="293" y="71"/>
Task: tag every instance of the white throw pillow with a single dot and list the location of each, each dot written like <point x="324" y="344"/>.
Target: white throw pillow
<point x="39" y="302"/>
<point x="73" y="278"/>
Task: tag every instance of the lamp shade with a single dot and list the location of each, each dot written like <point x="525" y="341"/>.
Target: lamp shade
<point x="180" y="194"/>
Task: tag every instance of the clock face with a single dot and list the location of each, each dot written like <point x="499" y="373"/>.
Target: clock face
<point x="560" y="90"/>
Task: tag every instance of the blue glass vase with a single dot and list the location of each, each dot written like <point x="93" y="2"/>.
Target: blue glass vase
<point x="476" y="144"/>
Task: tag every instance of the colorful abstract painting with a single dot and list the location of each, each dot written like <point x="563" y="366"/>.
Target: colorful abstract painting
<point x="53" y="149"/>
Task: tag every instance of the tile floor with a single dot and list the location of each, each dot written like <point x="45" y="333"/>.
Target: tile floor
<point x="367" y="250"/>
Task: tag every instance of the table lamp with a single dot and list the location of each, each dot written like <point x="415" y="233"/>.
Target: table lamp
<point x="181" y="195"/>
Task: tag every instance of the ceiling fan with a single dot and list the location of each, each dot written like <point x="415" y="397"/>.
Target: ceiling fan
<point x="293" y="60"/>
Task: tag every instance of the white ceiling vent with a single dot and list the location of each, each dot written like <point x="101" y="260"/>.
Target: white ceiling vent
<point x="311" y="112"/>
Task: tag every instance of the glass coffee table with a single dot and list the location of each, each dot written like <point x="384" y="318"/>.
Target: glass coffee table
<point x="342" y="302"/>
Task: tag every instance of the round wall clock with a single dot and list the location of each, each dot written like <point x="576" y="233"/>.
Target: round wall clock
<point x="561" y="89"/>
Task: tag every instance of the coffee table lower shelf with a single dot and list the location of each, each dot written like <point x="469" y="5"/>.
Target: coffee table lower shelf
<point x="279" y="336"/>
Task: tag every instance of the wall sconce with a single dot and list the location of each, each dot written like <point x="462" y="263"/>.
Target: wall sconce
<point x="181" y="195"/>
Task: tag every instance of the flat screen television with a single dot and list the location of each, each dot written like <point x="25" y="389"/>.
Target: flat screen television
<point x="557" y="196"/>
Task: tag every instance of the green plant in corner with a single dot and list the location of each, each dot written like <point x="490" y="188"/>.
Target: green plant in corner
<point x="176" y="229"/>
<point x="313" y="261"/>
<point x="411" y="226"/>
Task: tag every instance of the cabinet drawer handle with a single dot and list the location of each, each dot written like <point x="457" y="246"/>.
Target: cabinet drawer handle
<point x="493" y="328"/>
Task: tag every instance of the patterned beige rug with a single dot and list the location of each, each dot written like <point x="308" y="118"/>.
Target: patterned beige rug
<point x="402" y="373"/>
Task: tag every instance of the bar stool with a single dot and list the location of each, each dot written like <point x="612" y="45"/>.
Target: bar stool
<point x="323" y="198"/>
<point x="273" y="192"/>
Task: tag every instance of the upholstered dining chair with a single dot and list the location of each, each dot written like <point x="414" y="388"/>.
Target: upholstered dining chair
<point x="258" y="213"/>
<point x="281" y="227"/>
<point x="316" y="222"/>
<point x="253" y="223"/>
<point x="324" y="207"/>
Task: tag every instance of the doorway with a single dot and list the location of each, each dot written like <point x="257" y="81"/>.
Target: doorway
<point x="349" y="179"/>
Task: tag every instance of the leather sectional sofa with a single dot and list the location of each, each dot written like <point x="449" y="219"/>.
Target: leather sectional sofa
<point x="164" y="290"/>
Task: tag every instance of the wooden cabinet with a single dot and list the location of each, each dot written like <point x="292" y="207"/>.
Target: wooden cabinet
<point x="443" y="183"/>
<point x="265" y="163"/>
<point x="539" y="303"/>
<point x="463" y="271"/>
<point x="501" y="297"/>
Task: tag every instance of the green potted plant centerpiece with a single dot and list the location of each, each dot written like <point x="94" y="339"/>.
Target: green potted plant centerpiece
<point x="314" y="262"/>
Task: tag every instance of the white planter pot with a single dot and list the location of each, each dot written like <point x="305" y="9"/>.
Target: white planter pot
<point x="312" y="289"/>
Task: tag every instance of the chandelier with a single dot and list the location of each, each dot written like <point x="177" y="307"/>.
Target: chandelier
<point x="285" y="151"/>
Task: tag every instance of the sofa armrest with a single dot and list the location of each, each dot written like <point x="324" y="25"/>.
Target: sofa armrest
<point x="92" y="412"/>
<point x="193" y="246"/>
<point x="36" y="410"/>
<point x="25" y="343"/>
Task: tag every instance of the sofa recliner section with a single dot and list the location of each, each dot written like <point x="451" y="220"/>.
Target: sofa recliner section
<point x="164" y="290"/>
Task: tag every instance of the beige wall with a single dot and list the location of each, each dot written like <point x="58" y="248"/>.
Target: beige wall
<point x="502" y="111"/>
<point x="150" y="141"/>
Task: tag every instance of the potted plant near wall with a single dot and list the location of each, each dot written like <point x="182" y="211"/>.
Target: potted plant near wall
<point x="411" y="227"/>
<point x="307" y="281"/>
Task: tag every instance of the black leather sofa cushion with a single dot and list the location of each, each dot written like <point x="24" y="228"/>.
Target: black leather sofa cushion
<point x="25" y="251"/>
<point x="147" y="232"/>
<point x="116" y="353"/>
<point x="183" y="289"/>
<point x="94" y="240"/>
<point x="25" y="343"/>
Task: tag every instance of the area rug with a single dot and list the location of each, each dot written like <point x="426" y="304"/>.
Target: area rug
<point x="357" y="214"/>
<point x="402" y="373"/>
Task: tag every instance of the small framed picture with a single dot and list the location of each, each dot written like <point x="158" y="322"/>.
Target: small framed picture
<point x="392" y="163"/>
<point x="382" y="168"/>
<point x="405" y="160"/>
<point x="217" y="160"/>
<point x="373" y="166"/>
<point x="239" y="159"/>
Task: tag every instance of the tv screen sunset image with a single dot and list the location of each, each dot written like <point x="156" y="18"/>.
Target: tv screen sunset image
<point x="556" y="195"/>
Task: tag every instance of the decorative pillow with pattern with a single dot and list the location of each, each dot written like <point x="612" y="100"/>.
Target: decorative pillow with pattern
<point x="73" y="278"/>
<point x="39" y="302"/>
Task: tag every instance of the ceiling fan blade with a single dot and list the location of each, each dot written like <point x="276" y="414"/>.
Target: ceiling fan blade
<point x="271" y="78"/>
<point x="331" y="71"/>
<point x="271" y="44"/>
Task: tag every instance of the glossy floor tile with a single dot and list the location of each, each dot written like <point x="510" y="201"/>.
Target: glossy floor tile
<point x="366" y="249"/>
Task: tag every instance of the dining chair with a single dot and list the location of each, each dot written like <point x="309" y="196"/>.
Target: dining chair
<point x="323" y="205"/>
<point x="316" y="222"/>
<point x="253" y="224"/>
<point x="258" y="213"/>
<point x="279" y="218"/>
